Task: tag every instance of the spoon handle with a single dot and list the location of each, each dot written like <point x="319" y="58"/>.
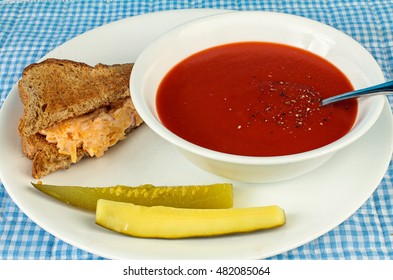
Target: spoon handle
<point x="374" y="90"/>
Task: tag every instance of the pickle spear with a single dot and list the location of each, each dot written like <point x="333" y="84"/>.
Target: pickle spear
<point x="197" y="196"/>
<point x="169" y="222"/>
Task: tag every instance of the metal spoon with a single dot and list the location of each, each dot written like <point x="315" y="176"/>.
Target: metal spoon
<point x="385" y="88"/>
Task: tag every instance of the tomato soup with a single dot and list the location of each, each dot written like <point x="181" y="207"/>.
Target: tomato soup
<point x="255" y="99"/>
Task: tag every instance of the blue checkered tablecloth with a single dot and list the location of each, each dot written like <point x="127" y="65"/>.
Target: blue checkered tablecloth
<point x="30" y="29"/>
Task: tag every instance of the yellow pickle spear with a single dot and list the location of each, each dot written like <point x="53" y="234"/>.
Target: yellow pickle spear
<point x="195" y="196"/>
<point x="170" y="222"/>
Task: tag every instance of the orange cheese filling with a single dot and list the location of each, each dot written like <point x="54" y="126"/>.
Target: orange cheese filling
<point x="94" y="132"/>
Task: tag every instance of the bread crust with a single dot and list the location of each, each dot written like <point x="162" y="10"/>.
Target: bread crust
<point x="56" y="90"/>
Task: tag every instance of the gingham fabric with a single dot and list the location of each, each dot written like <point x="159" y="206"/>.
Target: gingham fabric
<point x="30" y="29"/>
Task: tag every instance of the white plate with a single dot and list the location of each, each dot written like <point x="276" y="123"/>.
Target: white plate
<point x="314" y="203"/>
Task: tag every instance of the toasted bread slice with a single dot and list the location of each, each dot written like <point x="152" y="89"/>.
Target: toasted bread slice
<point x="56" y="90"/>
<point x="45" y="156"/>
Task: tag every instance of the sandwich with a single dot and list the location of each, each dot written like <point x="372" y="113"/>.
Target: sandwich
<point x="72" y="110"/>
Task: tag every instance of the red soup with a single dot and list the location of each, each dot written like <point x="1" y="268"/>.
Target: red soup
<point x="255" y="99"/>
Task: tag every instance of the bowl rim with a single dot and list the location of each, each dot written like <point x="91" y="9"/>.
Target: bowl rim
<point x="153" y="122"/>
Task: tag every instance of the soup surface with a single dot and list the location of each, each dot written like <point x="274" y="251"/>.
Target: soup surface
<point x="255" y="99"/>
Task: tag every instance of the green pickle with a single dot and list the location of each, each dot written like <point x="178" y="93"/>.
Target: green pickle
<point x="170" y="222"/>
<point x="214" y="196"/>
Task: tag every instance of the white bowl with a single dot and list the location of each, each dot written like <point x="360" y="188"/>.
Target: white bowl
<point x="179" y="43"/>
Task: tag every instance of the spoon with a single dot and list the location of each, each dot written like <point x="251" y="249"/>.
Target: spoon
<point x="385" y="88"/>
